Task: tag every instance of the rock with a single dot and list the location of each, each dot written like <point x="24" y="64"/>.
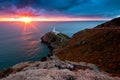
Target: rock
<point x="5" y="72"/>
<point x="55" y="41"/>
<point x="54" y="63"/>
<point x="54" y="69"/>
<point x="52" y="74"/>
<point x="49" y="37"/>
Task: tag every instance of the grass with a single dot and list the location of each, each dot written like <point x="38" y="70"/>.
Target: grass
<point x="102" y="48"/>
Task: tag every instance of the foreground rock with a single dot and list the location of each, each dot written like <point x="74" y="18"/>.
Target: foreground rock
<point x="51" y="64"/>
<point x="45" y="74"/>
<point x="57" y="70"/>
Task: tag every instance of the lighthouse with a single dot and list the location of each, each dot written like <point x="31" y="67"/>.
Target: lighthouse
<point x="54" y="31"/>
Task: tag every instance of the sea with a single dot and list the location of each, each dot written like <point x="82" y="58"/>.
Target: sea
<point x="21" y="42"/>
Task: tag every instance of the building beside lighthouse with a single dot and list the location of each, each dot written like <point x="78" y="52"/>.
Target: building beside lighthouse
<point x="54" y="31"/>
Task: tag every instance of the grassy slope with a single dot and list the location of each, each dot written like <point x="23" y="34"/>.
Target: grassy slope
<point x="98" y="46"/>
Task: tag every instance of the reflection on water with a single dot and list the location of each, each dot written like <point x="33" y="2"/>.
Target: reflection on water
<point x="30" y="44"/>
<point x="19" y="45"/>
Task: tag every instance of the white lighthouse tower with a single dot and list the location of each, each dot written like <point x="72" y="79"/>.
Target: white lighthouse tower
<point x="54" y="31"/>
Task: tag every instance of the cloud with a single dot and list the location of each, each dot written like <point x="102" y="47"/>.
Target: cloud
<point x="96" y="8"/>
<point x="102" y="8"/>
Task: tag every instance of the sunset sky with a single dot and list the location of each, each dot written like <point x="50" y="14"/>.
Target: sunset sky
<point x="60" y="9"/>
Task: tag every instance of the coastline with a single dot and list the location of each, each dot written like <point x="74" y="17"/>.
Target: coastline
<point x="52" y="63"/>
<point x="70" y="70"/>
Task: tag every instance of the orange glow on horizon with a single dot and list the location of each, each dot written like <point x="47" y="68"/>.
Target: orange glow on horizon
<point x="28" y="25"/>
<point x="31" y="19"/>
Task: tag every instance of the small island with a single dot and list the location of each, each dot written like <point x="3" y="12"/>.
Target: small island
<point x="55" y="39"/>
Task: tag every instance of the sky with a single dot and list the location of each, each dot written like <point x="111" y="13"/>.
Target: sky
<point x="67" y="8"/>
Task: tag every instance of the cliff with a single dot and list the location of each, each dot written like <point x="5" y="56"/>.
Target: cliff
<point x="99" y="45"/>
<point x="55" y="41"/>
<point x="114" y="23"/>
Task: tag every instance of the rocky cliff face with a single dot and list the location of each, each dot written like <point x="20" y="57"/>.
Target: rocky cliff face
<point x="100" y="46"/>
<point x="54" y="41"/>
<point x="49" y="38"/>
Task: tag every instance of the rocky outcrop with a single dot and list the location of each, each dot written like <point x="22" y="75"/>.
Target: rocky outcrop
<point x="53" y="63"/>
<point x="53" y="74"/>
<point x="57" y="70"/>
<point x="49" y="37"/>
<point x="55" y="41"/>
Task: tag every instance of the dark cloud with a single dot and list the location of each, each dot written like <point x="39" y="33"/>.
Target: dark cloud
<point x="103" y="8"/>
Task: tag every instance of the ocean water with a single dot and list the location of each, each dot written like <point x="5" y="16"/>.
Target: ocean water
<point x="20" y="42"/>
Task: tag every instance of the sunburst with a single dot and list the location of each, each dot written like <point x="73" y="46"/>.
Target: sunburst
<point x="27" y="20"/>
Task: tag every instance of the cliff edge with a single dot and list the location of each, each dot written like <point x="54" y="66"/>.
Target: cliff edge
<point x="99" y="45"/>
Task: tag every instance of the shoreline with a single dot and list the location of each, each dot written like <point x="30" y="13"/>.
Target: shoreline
<point x="52" y="62"/>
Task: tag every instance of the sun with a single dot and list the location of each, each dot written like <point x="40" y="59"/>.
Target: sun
<point x="26" y="20"/>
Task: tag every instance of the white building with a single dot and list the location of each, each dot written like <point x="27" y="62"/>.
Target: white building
<point x="54" y="31"/>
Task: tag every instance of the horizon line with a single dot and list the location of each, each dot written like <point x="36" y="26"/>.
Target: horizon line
<point x="50" y="19"/>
